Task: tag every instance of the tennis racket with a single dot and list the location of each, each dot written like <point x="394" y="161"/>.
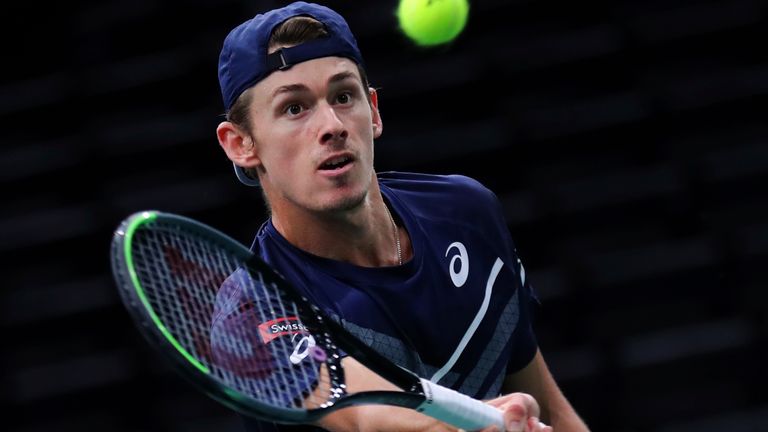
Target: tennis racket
<point x="244" y="336"/>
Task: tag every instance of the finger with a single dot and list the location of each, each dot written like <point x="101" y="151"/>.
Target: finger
<point x="522" y="403"/>
<point x="536" y="425"/>
<point x="518" y="409"/>
<point x="531" y="405"/>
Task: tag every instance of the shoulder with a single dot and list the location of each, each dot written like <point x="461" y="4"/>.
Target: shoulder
<point x="452" y="189"/>
<point x="452" y="202"/>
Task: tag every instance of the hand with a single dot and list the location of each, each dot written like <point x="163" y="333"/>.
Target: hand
<point x="521" y="413"/>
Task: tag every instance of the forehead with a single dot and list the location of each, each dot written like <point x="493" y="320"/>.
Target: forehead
<point x="313" y="74"/>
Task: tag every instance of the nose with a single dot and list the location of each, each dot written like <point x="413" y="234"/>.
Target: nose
<point x="332" y="129"/>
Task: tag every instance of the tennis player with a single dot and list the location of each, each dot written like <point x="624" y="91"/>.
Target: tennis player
<point x="421" y="267"/>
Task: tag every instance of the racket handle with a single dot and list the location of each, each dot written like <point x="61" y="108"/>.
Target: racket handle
<point x="458" y="409"/>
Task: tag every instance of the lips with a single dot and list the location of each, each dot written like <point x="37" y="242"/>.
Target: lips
<point x="335" y="163"/>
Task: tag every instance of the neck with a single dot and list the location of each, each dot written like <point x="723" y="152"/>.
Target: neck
<point x="362" y="236"/>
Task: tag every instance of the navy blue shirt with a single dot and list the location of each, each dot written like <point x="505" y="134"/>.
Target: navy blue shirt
<point x="458" y="312"/>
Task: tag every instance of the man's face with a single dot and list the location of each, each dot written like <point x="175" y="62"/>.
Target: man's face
<point x="313" y="128"/>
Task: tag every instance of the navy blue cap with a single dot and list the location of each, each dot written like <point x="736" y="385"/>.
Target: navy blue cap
<point x="244" y="61"/>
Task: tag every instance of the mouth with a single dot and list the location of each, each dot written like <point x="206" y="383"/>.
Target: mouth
<point x="336" y="164"/>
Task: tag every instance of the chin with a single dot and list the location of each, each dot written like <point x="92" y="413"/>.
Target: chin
<point x="345" y="199"/>
<point x="345" y="203"/>
<point x="345" y="195"/>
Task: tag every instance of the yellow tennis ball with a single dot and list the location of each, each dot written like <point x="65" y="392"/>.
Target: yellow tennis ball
<point x="432" y="22"/>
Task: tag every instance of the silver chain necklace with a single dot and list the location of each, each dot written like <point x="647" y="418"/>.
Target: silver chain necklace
<point x="397" y="237"/>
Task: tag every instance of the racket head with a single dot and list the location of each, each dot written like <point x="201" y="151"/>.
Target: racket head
<point x="226" y="320"/>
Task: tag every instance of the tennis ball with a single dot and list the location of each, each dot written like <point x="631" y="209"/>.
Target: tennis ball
<point x="432" y="22"/>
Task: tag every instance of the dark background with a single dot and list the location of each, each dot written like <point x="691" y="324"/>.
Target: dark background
<point x="626" y="139"/>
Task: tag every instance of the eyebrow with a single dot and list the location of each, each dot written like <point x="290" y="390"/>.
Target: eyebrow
<point x="341" y="76"/>
<point x="296" y="88"/>
<point x="290" y="88"/>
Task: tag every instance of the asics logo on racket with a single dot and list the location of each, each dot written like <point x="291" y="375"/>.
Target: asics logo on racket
<point x="304" y="347"/>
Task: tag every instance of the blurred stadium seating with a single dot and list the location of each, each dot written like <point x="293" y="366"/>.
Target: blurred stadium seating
<point x="627" y="141"/>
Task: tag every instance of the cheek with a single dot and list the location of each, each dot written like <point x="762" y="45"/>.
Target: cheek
<point x="289" y="163"/>
<point x="364" y="123"/>
<point x="278" y="149"/>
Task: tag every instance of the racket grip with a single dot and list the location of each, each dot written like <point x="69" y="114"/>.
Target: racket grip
<point x="458" y="409"/>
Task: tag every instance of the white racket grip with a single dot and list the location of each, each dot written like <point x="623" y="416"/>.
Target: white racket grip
<point x="458" y="409"/>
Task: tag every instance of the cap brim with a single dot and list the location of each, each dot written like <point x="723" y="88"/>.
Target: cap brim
<point x="245" y="178"/>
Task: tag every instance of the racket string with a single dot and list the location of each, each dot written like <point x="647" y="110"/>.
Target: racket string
<point x="174" y="294"/>
<point x="185" y="286"/>
<point x="284" y="313"/>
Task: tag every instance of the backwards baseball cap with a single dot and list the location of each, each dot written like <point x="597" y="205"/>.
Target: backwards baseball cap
<point x="244" y="58"/>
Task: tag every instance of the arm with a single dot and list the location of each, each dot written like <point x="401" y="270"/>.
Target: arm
<point x="536" y="380"/>
<point x="364" y="418"/>
<point x="382" y="418"/>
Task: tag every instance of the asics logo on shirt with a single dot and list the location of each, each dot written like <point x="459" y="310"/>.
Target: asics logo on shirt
<point x="460" y="260"/>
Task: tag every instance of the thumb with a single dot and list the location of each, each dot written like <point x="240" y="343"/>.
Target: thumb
<point x="515" y="416"/>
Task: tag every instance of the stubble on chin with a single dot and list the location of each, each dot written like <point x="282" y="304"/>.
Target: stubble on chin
<point x="349" y="202"/>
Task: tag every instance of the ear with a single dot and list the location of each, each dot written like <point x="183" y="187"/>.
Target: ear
<point x="237" y="144"/>
<point x="378" y="125"/>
